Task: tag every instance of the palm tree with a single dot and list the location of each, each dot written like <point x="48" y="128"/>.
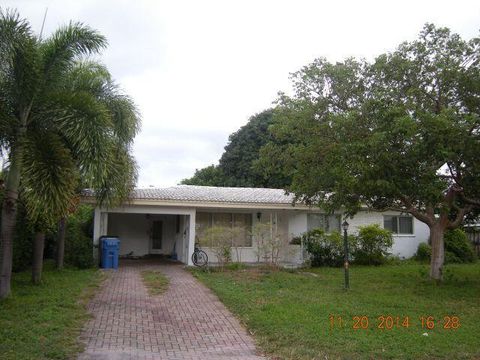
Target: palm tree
<point x="120" y="171"/>
<point x="62" y="122"/>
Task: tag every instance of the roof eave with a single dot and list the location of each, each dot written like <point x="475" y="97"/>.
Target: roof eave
<point x="207" y="204"/>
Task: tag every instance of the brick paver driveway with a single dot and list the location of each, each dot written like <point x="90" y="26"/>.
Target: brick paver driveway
<point x="186" y="322"/>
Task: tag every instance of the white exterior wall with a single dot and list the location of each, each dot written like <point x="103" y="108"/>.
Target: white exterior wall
<point x="282" y="221"/>
<point x="297" y="223"/>
<point x="245" y="254"/>
<point x="133" y="228"/>
<point x="134" y="232"/>
<point x="404" y="246"/>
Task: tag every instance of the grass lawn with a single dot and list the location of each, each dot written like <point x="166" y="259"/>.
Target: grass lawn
<point x="44" y="321"/>
<point x="289" y="312"/>
<point x="155" y="282"/>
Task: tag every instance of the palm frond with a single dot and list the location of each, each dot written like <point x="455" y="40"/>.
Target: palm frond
<point x="116" y="178"/>
<point x="14" y="31"/>
<point x="19" y="63"/>
<point x="94" y="78"/>
<point x="125" y="117"/>
<point x="84" y="124"/>
<point x="67" y="45"/>
<point x="49" y="177"/>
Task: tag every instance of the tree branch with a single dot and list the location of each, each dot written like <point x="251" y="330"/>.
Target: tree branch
<point x="426" y="218"/>
<point x="470" y="201"/>
<point x="459" y="218"/>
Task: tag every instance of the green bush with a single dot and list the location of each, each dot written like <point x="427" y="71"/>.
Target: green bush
<point x="22" y="242"/>
<point x="372" y="245"/>
<point x="458" y="248"/>
<point x="78" y="241"/>
<point x="236" y="266"/>
<point x="424" y="252"/>
<point x="451" y="258"/>
<point x="461" y="249"/>
<point x="326" y="249"/>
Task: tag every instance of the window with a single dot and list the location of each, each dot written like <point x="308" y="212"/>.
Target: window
<point x="202" y="223"/>
<point x="241" y="221"/>
<point x="328" y="223"/>
<point x="398" y="224"/>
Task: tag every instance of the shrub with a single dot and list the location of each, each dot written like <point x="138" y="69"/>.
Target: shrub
<point x="372" y="246"/>
<point x="458" y="248"/>
<point x="23" y="241"/>
<point x="219" y="240"/>
<point x="270" y="243"/>
<point x="236" y="266"/>
<point x="424" y="252"/>
<point x="461" y="249"/>
<point x="451" y="258"/>
<point x="326" y="249"/>
<point x="78" y="242"/>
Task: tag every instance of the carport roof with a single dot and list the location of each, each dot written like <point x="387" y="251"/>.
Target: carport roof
<point x="215" y="194"/>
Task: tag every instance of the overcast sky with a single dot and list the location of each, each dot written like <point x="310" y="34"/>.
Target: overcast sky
<point x="199" y="69"/>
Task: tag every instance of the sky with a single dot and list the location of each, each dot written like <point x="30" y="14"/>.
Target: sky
<point x="198" y="70"/>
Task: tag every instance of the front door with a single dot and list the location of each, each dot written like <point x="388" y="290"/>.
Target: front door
<point x="156" y="237"/>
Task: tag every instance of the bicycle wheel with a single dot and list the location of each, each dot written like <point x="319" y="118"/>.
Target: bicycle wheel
<point x="200" y="258"/>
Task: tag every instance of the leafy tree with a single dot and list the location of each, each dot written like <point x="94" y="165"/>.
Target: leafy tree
<point x="208" y="176"/>
<point x="238" y="165"/>
<point x="63" y="124"/>
<point x="401" y="133"/>
<point x="238" y="162"/>
<point x="119" y="168"/>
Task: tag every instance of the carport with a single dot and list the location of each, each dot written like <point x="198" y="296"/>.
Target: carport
<point x="145" y="230"/>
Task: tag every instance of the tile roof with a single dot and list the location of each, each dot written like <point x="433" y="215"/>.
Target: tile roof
<point x="215" y="194"/>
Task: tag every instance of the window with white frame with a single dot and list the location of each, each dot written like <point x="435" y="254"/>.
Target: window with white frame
<point x="398" y="224"/>
<point x="328" y="223"/>
<point x="241" y="221"/>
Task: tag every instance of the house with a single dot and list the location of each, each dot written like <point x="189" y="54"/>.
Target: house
<point x="169" y="221"/>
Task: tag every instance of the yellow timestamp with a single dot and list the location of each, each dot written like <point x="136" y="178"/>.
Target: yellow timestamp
<point x="390" y="322"/>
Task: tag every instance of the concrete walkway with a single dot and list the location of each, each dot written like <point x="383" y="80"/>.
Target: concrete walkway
<point x="186" y="322"/>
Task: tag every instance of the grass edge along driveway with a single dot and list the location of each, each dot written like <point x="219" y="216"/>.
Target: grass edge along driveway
<point x="44" y="321"/>
<point x="290" y="312"/>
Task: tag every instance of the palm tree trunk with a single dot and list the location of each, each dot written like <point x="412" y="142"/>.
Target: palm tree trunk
<point x="37" y="266"/>
<point x="61" y="243"/>
<point x="9" y="214"/>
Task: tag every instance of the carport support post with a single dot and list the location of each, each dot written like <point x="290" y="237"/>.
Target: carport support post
<point x="191" y="237"/>
<point x="100" y="226"/>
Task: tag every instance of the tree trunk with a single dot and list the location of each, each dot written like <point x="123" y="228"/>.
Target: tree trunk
<point x="9" y="217"/>
<point x="37" y="266"/>
<point x="438" y="252"/>
<point x="61" y="243"/>
<point x="9" y="214"/>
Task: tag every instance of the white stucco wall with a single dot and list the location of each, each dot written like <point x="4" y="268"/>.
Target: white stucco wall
<point x="297" y="223"/>
<point x="134" y="232"/>
<point x="404" y="246"/>
<point x="281" y="220"/>
<point x="240" y="254"/>
<point x="132" y="225"/>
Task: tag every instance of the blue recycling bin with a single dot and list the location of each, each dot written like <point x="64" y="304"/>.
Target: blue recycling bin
<point x="110" y="251"/>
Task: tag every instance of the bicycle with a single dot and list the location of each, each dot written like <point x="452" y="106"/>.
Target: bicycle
<point x="199" y="257"/>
